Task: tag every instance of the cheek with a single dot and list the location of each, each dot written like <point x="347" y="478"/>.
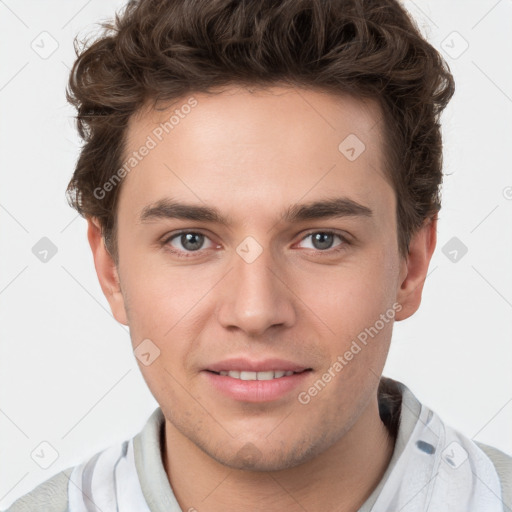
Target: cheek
<point x="167" y="306"/>
<point x="161" y="298"/>
<point x="353" y="306"/>
<point x="352" y="295"/>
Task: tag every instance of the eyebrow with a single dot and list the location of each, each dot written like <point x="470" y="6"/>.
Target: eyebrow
<point x="323" y="209"/>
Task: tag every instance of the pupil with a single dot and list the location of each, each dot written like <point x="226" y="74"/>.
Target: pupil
<point x="322" y="240"/>
<point x="192" y="241"/>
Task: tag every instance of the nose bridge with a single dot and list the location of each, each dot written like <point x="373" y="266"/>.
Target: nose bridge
<point x="255" y="298"/>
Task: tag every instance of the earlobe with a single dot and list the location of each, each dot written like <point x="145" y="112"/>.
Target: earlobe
<point x="106" y="271"/>
<point x="415" y="268"/>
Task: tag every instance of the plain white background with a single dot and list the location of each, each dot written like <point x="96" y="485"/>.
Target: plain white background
<point x="67" y="373"/>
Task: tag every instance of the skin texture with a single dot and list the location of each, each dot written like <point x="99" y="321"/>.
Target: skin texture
<point x="252" y="154"/>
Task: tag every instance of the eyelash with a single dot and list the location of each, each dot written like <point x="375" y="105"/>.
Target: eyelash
<point x="185" y="254"/>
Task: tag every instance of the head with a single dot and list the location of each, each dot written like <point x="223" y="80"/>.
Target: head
<point x="261" y="181"/>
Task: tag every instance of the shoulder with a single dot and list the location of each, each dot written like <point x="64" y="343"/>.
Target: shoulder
<point x="51" y="495"/>
<point x="484" y="457"/>
<point x="503" y="464"/>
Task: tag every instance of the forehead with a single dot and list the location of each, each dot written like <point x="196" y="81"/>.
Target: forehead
<point x="247" y="150"/>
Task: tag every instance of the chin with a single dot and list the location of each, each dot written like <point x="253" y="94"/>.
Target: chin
<point x="251" y="458"/>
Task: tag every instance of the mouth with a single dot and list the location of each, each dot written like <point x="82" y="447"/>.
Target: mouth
<point x="245" y="380"/>
<point x="245" y="375"/>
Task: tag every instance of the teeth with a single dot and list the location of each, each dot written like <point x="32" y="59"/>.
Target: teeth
<point x="243" y="375"/>
<point x="248" y="375"/>
<point x="265" y="375"/>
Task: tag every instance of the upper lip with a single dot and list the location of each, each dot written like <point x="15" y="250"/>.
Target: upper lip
<point x="250" y="365"/>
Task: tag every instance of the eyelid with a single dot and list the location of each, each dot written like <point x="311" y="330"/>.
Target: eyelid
<point x="169" y="236"/>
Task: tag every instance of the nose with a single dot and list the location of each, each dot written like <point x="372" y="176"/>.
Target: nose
<point x="255" y="296"/>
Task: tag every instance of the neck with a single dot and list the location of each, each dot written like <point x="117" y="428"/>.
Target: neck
<point x="341" y="478"/>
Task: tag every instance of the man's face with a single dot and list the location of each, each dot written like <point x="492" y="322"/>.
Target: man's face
<point x="266" y="286"/>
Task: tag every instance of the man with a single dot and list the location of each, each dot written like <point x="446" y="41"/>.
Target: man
<point x="261" y="185"/>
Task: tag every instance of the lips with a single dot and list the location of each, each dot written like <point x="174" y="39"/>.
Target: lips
<point x="248" y="380"/>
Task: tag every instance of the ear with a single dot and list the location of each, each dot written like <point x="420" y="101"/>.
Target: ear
<point x="415" y="267"/>
<point x="106" y="271"/>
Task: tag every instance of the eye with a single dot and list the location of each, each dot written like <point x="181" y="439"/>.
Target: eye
<point x="187" y="242"/>
<point x="323" y="241"/>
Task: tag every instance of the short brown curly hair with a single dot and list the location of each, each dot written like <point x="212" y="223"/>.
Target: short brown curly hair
<point x="161" y="50"/>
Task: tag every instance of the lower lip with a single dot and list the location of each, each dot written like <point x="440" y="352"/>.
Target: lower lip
<point x="256" y="390"/>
